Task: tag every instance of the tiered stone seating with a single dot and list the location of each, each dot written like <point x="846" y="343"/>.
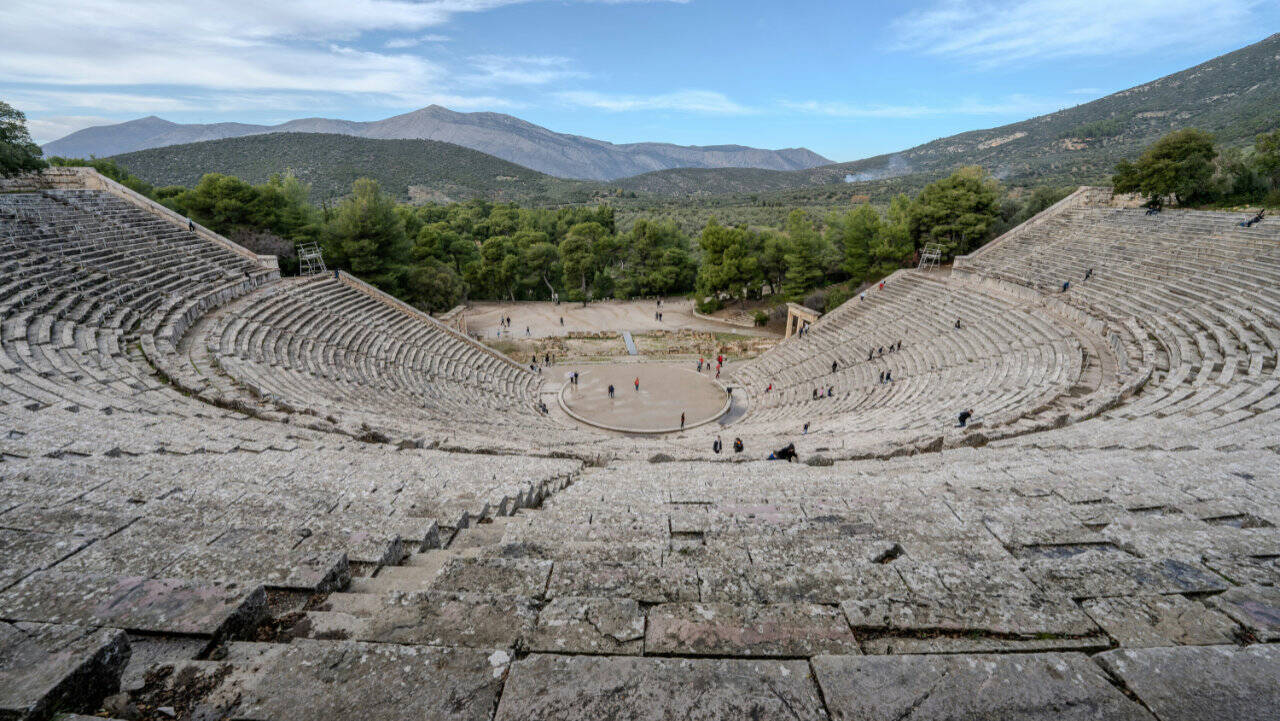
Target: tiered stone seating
<point x="1014" y="362"/>
<point x="1196" y="288"/>
<point x="326" y="347"/>
<point x="179" y="520"/>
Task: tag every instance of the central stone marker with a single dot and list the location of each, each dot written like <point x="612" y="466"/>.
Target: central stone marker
<point x="666" y="391"/>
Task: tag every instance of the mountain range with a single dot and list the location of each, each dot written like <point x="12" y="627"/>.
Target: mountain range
<point x="1235" y="96"/>
<point x="502" y="136"/>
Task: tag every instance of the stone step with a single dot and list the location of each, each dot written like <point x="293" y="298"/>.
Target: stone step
<point x="50" y="667"/>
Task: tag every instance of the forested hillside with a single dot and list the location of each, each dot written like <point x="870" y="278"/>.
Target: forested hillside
<point x="418" y="170"/>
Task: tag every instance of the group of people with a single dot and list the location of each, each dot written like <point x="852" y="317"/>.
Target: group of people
<point x="879" y="352"/>
<point x="704" y="363"/>
<point x="717" y="446"/>
<point x="817" y="392"/>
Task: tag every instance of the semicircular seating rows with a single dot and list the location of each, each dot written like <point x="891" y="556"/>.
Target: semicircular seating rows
<point x="196" y="503"/>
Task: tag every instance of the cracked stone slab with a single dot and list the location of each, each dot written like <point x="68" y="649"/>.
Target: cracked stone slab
<point x="26" y="552"/>
<point x="1257" y="608"/>
<point x="606" y="626"/>
<point x="1049" y="686"/>
<point x="1092" y="575"/>
<point x="615" y="580"/>
<point x="723" y="629"/>
<point x="1194" y="683"/>
<point x="825" y="583"/>
<point x="993" y="598"/>
<point x="432" y="618"/>
<point x="546" y="687"/>
<point x="890" y="645"/>
<point x="49" y="667"/>
<point x="505" y="576"/>
<point x="1145" y="621"/>
<point x="375" y="682"/>
<point x="280" y="568"/>
<point x="136" y="604"/>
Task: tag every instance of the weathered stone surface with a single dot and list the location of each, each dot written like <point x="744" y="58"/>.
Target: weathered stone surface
<point x="136" y="604"/>
<point x="302" y="570"/>
<point x="1143" y="621"/>
<point x="1049" y="686"/>
<point x="146" y="548"/>
<point x="568" y="688"/>
<point x="25" y="552"/>
<point x="451" y="619"/>
<point x="146" y="651"/>
<point x="375" y="682"/>
<point x="1257" y="608"/>
<point x="646" y="584"/>
<point x="1194" y="683"/>
<point x="891" y="645"/>
<point x="1091" y="576"/>
<point x="826" y="583"/>
<point x="505" y="576"/>
<point x="589" y="625"/>
<point x="988" y="597"/>
<point x="723" y="629"/>
<point x="44" y="667"/>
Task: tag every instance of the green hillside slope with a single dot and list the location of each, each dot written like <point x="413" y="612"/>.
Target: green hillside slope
<point x="421" y="170"/>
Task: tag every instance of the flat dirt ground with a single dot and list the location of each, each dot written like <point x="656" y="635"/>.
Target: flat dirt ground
<point x="666" y="391"/>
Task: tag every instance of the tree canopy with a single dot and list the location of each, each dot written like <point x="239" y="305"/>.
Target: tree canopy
<point x="18" y="152"/>
<point x="1179" y="165"/>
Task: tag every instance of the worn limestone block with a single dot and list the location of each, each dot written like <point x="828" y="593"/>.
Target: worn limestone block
<point x="617" y="580"/>
<point x="136" y="604"/>
<point x="589" y="625"/>
<point x="1194" y="683"/>
<point x="826" y="583"/>
<point x="1246" y="570"/>
<point x="1090" y="575"/>
<point x="45" y="667"/>
<point x="723" y="629"/>
<point x="503" y="576"/>
<point x="1144" y="621"/>
<point x="25" y="552"/>
<point x="148" y="548"/>
<point x="1049" y="686"/>
<point x="583" y="688"/>
<point x="65" y="521"/>
<point x="1257" y="608"/>
<point x="890" y="645"/>
<point x="375" y="682"/>
<point x="274" y="568"/>
<point x="438" y="618"/>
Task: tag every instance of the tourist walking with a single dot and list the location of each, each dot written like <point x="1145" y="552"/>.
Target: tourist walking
<point x="737" y="445"/>
<point x="716" y="446"/>
<point x="610" y="390"/>
<point x="637" y="382"/>
<point x="682" y="419"/>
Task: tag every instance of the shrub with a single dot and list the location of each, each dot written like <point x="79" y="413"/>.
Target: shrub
<point x="760" y="317"/>
<point x="710" y="305"/>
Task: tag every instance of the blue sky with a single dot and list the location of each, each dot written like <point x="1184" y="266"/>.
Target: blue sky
<point x="846" y="79"/>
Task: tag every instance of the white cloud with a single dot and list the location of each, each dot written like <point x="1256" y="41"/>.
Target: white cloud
<point x="692" y="101"/>
<point x="995" y="32"/>
<point x="1012" y="105"/>
<point x="520" y="70"/>
<point x="233" y="48"/>
<point x="401" y="43"/>
<point x="53" y="127"/>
